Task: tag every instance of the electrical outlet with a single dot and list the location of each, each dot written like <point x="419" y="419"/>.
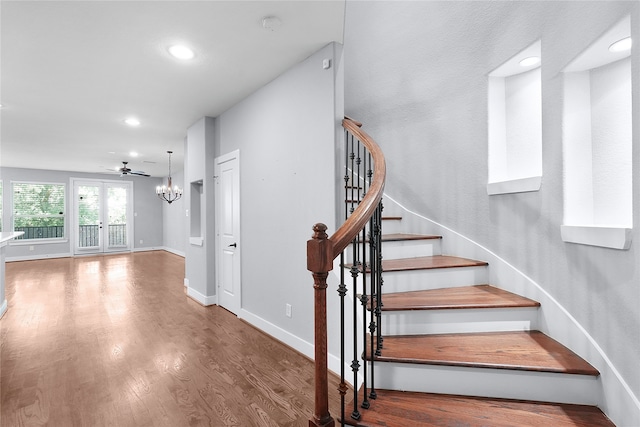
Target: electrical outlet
<point x="288" y="310"/>
<point x="141" y="241"/>
<point x="30" y="248"/>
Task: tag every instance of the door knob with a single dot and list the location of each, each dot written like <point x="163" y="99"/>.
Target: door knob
<point x="234" y="245"/>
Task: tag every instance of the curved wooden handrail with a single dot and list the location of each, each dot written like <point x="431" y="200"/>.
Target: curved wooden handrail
<point x="353" y="225"/>
<point x="321" y="251"/>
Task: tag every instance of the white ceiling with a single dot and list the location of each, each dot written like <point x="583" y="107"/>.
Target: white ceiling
<point x="72" y="71"/>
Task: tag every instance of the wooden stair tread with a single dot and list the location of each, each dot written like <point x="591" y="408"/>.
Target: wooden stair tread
<point x="403" y="237"/>
<point x="391" y="218"/>
<point x="396" y="237"/>
<point x="429" y="262"/>
<point x="398" y="408"/>
<point x="464" y="297"/>
<point x="521" y="350"/>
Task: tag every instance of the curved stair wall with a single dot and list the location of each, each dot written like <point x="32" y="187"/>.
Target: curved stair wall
<point x="610" y="393"/>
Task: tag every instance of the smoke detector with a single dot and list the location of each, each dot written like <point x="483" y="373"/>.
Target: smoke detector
<point x="271" y="23"/>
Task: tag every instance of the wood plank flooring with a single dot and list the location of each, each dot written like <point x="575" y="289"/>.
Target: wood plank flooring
<point x="114" y="341"/>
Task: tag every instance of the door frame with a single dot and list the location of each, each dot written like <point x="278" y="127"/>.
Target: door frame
<point x="73" y="219"/>
<point x="219" y="205"/>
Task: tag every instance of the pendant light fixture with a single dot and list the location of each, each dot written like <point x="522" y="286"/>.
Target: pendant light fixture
<point x="168" y="192"/>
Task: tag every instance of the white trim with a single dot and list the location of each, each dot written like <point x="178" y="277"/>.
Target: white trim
<point x="147" y="249"/>
<point x="293" y="341"/>
<point x="196" y="241"/>
<point x="34" y="242"/>
<point x="3" y="308"/>
<point x="202" y="299"/>
<point x="36" y="257"/>
<point x="606" y="237"/>
<point x="174" y="251"/>
<point x="618" y="401"/>
<point x="521" y="185"/>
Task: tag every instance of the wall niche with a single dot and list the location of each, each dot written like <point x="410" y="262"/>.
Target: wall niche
<point x="597" y="143"/>
<point x="515" y="124"/>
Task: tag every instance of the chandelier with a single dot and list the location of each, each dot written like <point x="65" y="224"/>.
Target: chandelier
<point x="167" y="192"/>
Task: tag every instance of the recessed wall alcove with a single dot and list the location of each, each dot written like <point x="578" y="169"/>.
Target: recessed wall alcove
<point x="515" y="124"/>
<point x="597" y="144"/>
<point x="195" y="224"/>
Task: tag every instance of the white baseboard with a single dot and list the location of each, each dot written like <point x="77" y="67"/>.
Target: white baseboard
<point x="202" y="299"/>
<point x="288" y="338"/>
<point x="3" y="308"/>
<point x="278" y="333"/>
<point x="35" y="257"/>
<point x="174" y="251"/>
<point x="150" y="248"/>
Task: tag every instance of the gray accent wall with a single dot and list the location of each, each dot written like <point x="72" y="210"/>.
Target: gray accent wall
<point x="416" y="76"/>
<point x="174" y="222"/>
<point x="148" y="224"/>
<point x="286" y="134"/>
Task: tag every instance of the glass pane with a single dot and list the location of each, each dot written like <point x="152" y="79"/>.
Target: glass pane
<point x="88" y="216"/>
<point x="117" y="215"/>
<point x="38" y="210"/>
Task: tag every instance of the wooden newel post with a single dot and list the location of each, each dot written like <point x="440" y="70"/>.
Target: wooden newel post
<point x="319" y="263"/>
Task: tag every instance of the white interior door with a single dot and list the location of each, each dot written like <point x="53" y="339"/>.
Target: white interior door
<point x="102" y="216"/>
<point x="228" y="249"/>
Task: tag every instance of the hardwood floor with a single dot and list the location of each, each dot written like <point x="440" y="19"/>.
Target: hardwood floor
<point x="114" y="341"/>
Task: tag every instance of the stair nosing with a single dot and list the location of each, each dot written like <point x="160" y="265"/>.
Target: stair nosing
<point x="522" y="302"/>
<point x="420" y="263"/>
<point x="581" y="367"/>
<point x="476" y="410"/>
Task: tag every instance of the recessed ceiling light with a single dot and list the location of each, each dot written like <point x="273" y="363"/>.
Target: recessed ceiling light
<point x="133" y="154"/>
<point x="132" y="121"/>
<point x="621" y="45"/>
<point x="530" y="61"/>
<point x="181" y="52"/>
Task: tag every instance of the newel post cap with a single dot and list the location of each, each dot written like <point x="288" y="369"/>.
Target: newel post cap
<point x="319" y="250"/>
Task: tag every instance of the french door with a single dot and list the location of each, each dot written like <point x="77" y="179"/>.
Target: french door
<point x="102" y="216"/>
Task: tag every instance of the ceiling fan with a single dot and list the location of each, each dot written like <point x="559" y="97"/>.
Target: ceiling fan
<point x="124" y="170"/>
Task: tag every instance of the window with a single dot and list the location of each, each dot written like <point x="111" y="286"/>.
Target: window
<point x="39" y="210"/>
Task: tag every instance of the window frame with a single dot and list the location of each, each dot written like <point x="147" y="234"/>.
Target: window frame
<point x="24" y="240"/>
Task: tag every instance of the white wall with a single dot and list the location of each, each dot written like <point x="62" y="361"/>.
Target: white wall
<point x="416" y="76"/>
<point x="286" y="135"/>
<point x="174" y="224"/>
<point x="199" y="262"/>
<point x="147" y="223"/>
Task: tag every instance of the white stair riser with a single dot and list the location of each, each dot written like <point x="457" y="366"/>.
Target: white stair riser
<point x="403" y="249"/>
<point x="392" y="226"/>
<point x="499" y="383"/>
<point x="421" y="322"/>
<point x="416" y="280"/>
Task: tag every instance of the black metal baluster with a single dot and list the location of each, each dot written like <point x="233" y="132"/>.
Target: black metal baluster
<point x="380" y="279"/>
<point x="355" y="365"/>
<point x="364" y="300"/>
<point x="342" y="388"/>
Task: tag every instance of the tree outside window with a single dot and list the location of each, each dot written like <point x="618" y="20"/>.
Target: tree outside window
<point x="39" y="210"/>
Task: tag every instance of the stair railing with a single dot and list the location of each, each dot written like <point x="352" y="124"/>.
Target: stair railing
<point x="365" y="173"/>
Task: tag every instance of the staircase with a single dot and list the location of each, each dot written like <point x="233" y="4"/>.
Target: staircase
<point x="460" y="352"/>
